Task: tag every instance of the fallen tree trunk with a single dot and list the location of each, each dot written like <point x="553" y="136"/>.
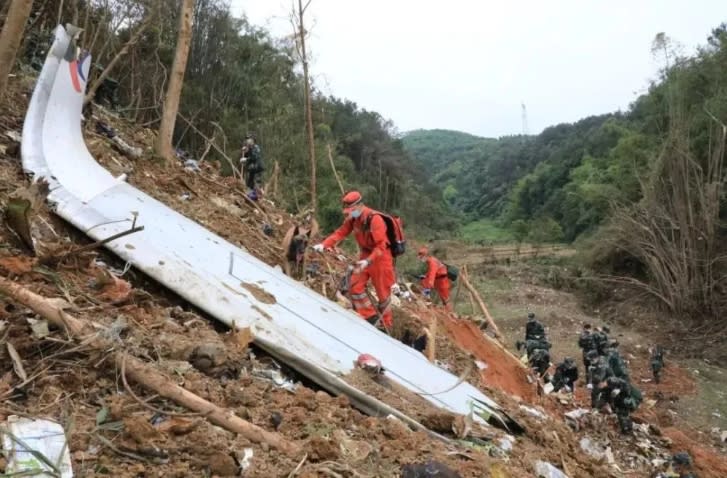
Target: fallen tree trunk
<point x="143" y="373"/>
<point x="476" y="296"/>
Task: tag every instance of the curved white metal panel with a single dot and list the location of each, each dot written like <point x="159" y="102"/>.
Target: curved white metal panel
<point x="197" y="264"/>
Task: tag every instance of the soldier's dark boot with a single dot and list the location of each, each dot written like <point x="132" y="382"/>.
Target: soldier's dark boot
<point x="627" y="426"/>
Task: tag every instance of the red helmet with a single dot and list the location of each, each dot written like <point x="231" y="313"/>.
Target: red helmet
<point x="351" y="199"/>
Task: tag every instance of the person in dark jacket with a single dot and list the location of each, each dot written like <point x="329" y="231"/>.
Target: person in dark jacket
<point x="534" y="330"/>
<point x="586" y="342"/>
<point x="566" y="375"/>
<point x="251" y="163"/>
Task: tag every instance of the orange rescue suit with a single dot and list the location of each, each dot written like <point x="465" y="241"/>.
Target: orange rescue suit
<point x="436" y="278"/>
<point x="369" y="229"/>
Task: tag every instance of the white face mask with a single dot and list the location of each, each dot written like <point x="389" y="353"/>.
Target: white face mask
<point x="356" y="213"/>
<point x="423" y="258"/>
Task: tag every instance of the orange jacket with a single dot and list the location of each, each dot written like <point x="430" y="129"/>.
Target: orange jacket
<point x="372" y="240"/>
<point x="435" y="270"/>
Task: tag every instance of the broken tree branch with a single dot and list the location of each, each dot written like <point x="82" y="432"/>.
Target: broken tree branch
<point x="88" y="247"/>
<point x="144" y="374"/>
<point x="476" y="296"/>
<point x="211" y="143"/>
<point x="124" y="50"/>
<point x="335" y="173"/>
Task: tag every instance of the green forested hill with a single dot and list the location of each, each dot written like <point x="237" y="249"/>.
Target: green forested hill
<point x="571" y="176"/>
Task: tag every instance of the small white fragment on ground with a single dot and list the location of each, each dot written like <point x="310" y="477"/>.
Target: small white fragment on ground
<point x="38" y="327"/>
<point x="609" y="456"/>
<point x="548" y="388"/>
<point x="246" y="459"/>
<point x="533" y="412"/>
<point x="577" y="413"/>
<point x="480" y="364"/>
<point x="546" y="470"/>
<point x="506" y="443"/>
<point x="14" y="135"/>
<point x="592" y="448"/>
<point x="3" y="324"/>
<point x="44" y="439"/>
<point x="723" y="436"/>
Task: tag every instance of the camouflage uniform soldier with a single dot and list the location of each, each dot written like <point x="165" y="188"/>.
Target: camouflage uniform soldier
<point x="587" y="343"/>
<point x="657" y="362"/>
<point x="566" y="374"/>
<point x="616" y="362"/>
<point x="598" y="373"/>
<point x="624" y="399"/>
<point x="600" y="337"/>
<point x="534" y="330"/>
<point x="538" y="355"/>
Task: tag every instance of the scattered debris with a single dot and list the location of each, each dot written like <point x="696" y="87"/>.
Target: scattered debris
<point x="532" y="411"/>
<point x="430" y="469"/>
<point x="593" y="449"/>
<point x="38" y="327"/>
<point x="246" y="459"/>
<point x="370" y="363"/>
<point x="34" y="446"/>
<point x="546" y="470"/>
<point x="17" y="362"/>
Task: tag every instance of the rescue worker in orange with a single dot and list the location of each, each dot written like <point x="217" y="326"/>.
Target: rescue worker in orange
<point x="435" y="277"/>
<point x="375" y="259"/>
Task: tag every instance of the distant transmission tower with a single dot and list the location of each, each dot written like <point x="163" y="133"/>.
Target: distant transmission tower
<point x="525" y="120"/>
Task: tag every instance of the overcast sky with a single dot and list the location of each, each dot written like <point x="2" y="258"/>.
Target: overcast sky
<point x="468" y="64"/>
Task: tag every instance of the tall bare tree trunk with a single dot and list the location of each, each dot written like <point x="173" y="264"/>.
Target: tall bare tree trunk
<point x="308" y="108"/>
<point x="163" y="146"/>
<point x="10" y="37"/>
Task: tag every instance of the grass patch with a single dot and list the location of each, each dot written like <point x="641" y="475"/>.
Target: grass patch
<point x="486" y="230"/>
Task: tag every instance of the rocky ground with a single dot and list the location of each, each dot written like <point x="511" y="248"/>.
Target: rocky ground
<point x="116" y="427"/>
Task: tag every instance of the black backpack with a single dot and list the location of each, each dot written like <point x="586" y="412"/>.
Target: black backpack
<point x="394" y="232"/>
<point x="452" y="272"/>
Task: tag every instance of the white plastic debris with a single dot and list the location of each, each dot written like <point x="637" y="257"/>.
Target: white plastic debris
<point x="35" y="445"/>
<point x="592" y="448"/>
<point x="506" y="443"/>
<point x="546" y="470"/>
<point x="533" y="412"/>
<point x="548" y="388"/>
<point x="723" y="436"/>
<point x="480" y="364"/>
<point x="39" y="327"/>
<point x="14" y="135"/>
<point x="246" y="459"/>
<point x="577" y="413"/>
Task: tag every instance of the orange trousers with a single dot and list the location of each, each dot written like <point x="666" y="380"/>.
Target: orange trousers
<point x="441" y="285"/>
<point x="383" y="276"/>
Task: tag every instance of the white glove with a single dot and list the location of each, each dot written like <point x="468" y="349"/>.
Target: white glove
<point x="318" y="248"/>
<point x="361" y="265"/>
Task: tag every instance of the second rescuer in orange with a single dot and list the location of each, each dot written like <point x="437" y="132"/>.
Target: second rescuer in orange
<point x="375" y="259"/>
<point x="436" y="276"/>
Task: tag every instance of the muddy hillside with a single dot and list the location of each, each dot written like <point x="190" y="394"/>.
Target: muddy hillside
<point x="143" y="384"/>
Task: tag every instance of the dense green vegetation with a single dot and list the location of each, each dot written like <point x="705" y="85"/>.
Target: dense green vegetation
<point x="575" y="174"/>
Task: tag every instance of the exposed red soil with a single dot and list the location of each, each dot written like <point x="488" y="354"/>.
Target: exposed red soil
<point x="503" y="370"/>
